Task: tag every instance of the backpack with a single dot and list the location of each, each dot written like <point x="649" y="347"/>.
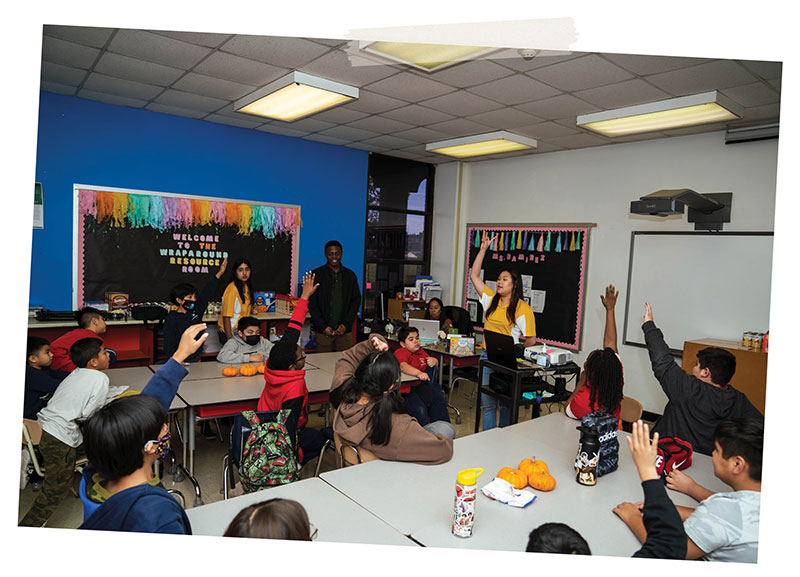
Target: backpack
<point x="673" y="453"/>
<point x="268" y="457"/>
<point x="606" y="426"/>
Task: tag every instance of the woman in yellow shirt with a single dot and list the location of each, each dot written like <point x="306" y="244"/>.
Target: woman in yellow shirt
<point x="237" y="300"/>
<point x="506" y="313"/>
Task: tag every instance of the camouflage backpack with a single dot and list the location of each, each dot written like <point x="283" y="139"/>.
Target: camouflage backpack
<point x="268" y="457"/>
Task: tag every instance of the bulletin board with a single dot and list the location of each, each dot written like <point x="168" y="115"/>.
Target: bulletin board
<point x="552" y="261"/>
<point x="143" y="243"/>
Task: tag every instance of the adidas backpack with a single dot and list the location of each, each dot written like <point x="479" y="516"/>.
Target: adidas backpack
<point x="268" y="457"/>
<point x="606" y="426"/>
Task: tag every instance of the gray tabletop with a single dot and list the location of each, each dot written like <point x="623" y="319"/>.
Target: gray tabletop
<point x="336" y="517"/>
<point x="427" y="514"/>
<point x="135" y="378"/>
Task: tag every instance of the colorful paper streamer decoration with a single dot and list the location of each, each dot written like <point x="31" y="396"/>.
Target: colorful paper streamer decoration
<point x="558" y="242"/>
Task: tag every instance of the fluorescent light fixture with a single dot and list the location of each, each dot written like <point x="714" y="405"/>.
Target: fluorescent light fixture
<point x="294" y="96"/>
<point x="481" y="144"/>
<point x="427" y="57"/>
<point x="662" y="115"/>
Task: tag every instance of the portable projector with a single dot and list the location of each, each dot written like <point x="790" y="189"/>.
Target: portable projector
<point x="544" y="357"/>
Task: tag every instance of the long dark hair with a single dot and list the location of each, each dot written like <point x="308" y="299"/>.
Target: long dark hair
<point x="441" y="309"/>
<point x="604" y="376"/>
<point x="373" y="377"/>
<point x="241" y="284"/>
<point x="516" y="296"/>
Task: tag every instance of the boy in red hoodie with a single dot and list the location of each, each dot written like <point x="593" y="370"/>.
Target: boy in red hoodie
<point x="285" y="377"/>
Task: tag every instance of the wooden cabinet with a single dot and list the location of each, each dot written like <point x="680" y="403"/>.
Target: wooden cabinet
<point x="396" y="308"/>
<point x="751" y="367"/>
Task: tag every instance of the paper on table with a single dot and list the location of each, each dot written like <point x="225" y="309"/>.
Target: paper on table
<point x="537" y="298"/>
<point x="501" y="490"/>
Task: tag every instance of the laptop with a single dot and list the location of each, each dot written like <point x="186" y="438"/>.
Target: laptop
<point x="502" y="350"/>
<point x="428" y="329"/>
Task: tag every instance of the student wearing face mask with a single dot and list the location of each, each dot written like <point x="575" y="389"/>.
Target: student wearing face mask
<point x="247" y="344"/>
<point x="190" y="308"/>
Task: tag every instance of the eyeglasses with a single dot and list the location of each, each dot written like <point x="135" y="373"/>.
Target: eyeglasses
<point x="313" y="531"/>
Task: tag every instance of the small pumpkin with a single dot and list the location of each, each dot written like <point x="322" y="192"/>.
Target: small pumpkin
<point x="529" y="466"/>
<point x="247" y="370"/>
<point x="229" y="371"/>
<point x="260" y="368"/>
<point x="542" y="481"/>
<point x="517" y="478"/>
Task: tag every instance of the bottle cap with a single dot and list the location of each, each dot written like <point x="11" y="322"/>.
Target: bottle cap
<point x="468" y="476"/>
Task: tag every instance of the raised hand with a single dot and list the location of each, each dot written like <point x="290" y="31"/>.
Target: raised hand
<point x="610" y="299"/>
<point x="222" y="267"/>
<point x="643" y="450"/>
<point x="648" y="313"/>
<point x="378" y="344"/>
<point x="309" y="288"/>
<point x="487" y="242"/>
<point x="188" y="345"/>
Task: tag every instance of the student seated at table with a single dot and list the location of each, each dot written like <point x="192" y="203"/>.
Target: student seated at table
<point x="285" y="377"/>
<point x="600" y="384"/>
<point x="247" y="344"/>
<point x="367" y="412"/>
<point x="40" y="380"/>
<point x="724" y="526"/>
<point x="664" y="539"/>
<point x="697" y="402"/>
<point x="435" y="312"/>
<point x="124" y="439"/>
<point x="425" y="401"/>
<point x="92" y="325"/>
<point x="272" y="519"/>
<point x="190" y="308"/>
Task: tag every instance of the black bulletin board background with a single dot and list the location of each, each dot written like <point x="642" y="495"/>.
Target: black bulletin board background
<point x="562" y="275"/>
<point x="129" y="260"/>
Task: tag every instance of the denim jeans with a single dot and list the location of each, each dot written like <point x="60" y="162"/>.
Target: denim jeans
<point x="489" y="404"/>
<point x="426" y="402"/>
<point x="443" y="428"/>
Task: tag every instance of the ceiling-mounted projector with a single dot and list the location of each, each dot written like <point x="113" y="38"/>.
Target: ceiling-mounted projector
<point x="707" y="211"/>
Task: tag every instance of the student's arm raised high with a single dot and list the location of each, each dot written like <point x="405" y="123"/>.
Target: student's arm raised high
<point x="673" y="381"/>
<point x="164" y="384"/>
<point x="477" y="265"/>
<point x="610" y="333"/>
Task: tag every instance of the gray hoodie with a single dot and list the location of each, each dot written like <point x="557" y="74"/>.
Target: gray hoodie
<point x="235" y="350"/>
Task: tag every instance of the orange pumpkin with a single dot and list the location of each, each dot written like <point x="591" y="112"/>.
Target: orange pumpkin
<point x="529" y="466"/>
<point x="247" y="370"/>
<point x="542" y="481"/>
<point x="517" y="478"/>
<point x="260" y="368"/>
<point x="229" y="371"/>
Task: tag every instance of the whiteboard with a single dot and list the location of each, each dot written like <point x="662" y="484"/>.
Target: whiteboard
<point x="699" y="285"/>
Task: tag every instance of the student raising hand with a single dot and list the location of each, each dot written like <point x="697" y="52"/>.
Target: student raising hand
<point x="648" y="313"/>
<point x="222" y="268"/>
<point x="643" y="450"/>
<point x="379" y="344"/>
<point x="610" y="299"/>
<point x="309" y="288"/>
<point x="188" y="345"/>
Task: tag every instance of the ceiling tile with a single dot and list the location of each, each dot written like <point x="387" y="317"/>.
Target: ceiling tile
<point x="110" y="85"/>
<point x="583" y="140"/>
<point x="558" y="107"/>
<point x="543" y="147"/>
<point x="238" y="69"/>
<point x="546" y="130"/>
<point x="373" y="103"/>
<point x="282" y="130"/>
<point x="342" y="115"/>
<point x="409" y="87"/>
<point x="766" y="112"/>
<point x="174" y="110"/>
<point x="111" y="98"/>
<point x="180" y="99"/>
<point x="279" y="51"/>
<point x="462" y="103"/>
<point x="209" y="39"/>
<point x="327" y="139"/>
<point x="766" y="70"/>
<point x="460" y="127"/>
<point x="714" y="75"/>
<point x="213" y="87"/>
<point x="68" y="53"/>
<point x="380" y="124"/>
<point x="511" y="59"/>
<point x="348" y="133"/>
<point x="390" y="141"/>
<point x="348" y="68"/>
<point x="645" y="65"/>
<point x="231" y="113"/>
<point x="405" y="154"/>
<point x="137" y="70"/>
<point x="48" y="86"/>
<point x="369" y="147"/>
<point x="755" y="94"/>
<point x="581" y="73"/>
<point x="59" y="74"/>
<point x="505" y="118"/>
<point x="515" y="90"/>
<point x="88" y="36"/>
<point x="329" y="41"/>
<point x="218" y="118"/>
<point x="469" y="73"/>
<point x="420" y="115"/>
<point x="157" y="48"/>
<point x="422" y="134"/>
<point x="310" y="124"/>
<point x="621" y="94"/>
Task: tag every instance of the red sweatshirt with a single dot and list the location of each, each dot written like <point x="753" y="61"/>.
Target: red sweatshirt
<point x="60" y="348"/>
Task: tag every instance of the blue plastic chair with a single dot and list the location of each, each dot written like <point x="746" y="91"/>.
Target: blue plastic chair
<point x="89" y="506"/>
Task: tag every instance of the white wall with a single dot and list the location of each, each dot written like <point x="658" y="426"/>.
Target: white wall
<point x="596" y="185"/>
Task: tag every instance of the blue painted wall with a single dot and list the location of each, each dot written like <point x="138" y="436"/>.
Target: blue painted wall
<point x="87" y="142"/>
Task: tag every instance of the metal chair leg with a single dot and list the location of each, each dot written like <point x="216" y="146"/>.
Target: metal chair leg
<point x="327" y="445"/>
<point x="198" y="499"/>
<point x="177" y="493"/>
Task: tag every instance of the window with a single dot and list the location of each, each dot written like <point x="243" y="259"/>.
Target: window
<point x="398" y="227"/>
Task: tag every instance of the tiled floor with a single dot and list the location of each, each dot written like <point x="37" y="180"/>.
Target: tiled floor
<point x="209" y="453"/>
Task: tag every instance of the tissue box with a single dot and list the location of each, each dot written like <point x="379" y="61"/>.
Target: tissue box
<point x="264" y="302"/>
<point x="461" y="345"/>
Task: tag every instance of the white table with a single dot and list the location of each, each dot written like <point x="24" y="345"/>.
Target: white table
<point x="136" y="378"/>
<point x="336" y="517"/>
<point x="428" y="492"/>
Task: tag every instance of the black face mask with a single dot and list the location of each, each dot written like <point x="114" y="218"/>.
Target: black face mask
<point x="189" y="305"/>
<point x="252" y="339"/>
